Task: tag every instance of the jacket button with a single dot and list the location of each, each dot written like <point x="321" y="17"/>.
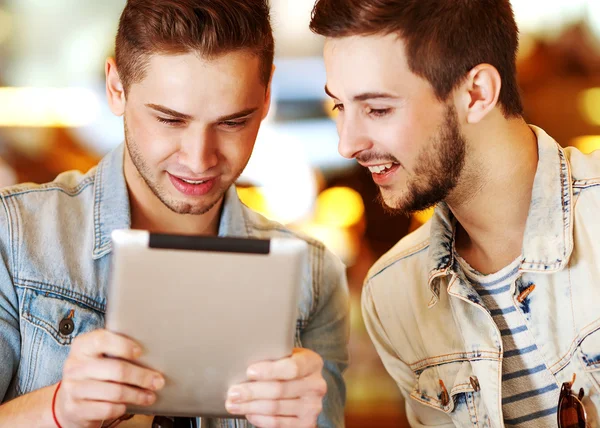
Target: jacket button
<point x="444" y="396"/>
<point x="475" y="383"/>
<point x="66" y="326"/>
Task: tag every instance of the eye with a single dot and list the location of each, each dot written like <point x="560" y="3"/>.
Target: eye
<point x="171" y="122"/>
<point x="338" y="107"/>
<point x="232" y="124"/>
<point x="378" y="112"/>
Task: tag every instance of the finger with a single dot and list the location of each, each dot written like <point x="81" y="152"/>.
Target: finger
<point x="86" y="411"/>
<point x="278" y="422"/>
<point x="93" y="390"/>
<point x="99" y="410"/>
<point x="114" y="370"/>
<point x="302" y="363"/>
<point x="313" y="385"/>
<point x="300" y="408"/>
<point x="102" y="342"/>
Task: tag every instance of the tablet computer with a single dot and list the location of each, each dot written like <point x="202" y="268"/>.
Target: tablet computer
<point x="203" y="309"/>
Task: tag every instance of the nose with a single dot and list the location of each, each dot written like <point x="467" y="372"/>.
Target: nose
<point x="199" y="152"/>
<point x="353" y="139"/>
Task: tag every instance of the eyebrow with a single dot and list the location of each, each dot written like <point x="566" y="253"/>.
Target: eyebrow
<point x="365" y="96"/>
<point x="170" y="112"/>
<point x="238" y="115"/>
<point x="183" y="116"/>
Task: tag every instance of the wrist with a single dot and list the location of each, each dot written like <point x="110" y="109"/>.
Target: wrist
<point x="55" y="417"/>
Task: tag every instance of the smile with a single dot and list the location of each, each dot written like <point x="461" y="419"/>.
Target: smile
<point x="381" y="169"/>
<point x="193" y="181"/>
<point x="193" y="188"/>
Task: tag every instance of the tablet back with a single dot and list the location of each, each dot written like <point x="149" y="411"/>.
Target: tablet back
<point x="204" y="309"/>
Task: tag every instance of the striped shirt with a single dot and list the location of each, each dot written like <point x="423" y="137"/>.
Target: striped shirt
<point x="529" y="390"/>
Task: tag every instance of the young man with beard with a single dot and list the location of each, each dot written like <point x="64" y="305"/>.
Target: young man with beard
<point x="483" y="314"/>
<point x="192" y="80"/>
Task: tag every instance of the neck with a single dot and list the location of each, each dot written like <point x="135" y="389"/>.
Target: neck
<point x="149" y="213"/>
<point x="492" y="201"/>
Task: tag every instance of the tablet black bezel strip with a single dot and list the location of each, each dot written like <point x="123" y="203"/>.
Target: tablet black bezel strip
<point x="210" y="243"/>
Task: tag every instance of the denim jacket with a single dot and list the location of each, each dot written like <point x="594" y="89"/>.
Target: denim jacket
<point x="55" y="258"/>
<point x="428" y="324"/>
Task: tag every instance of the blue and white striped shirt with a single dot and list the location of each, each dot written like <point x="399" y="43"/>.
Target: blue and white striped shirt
<point x="529" y="390"/>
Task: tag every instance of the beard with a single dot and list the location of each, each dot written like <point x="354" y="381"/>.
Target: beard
<point x="439" y="167"/>
<point x="177" y="206"/>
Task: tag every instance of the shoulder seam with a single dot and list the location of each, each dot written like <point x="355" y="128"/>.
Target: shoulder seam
<point x="416" y="249"/>
<point x="52" y="186"/>
<point x="311" y="241"/>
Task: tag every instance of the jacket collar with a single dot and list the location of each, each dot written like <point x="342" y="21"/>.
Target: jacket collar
<point x="548" y="238"/>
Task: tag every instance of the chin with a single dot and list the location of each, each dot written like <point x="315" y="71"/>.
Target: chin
<point x="390" y="198"/>
<point x="193" y="206"/>
<point x="394" y="202"/>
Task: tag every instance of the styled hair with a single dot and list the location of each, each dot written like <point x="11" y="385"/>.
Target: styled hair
<point x="207" y="27"/>
<point x="444" y="39"/>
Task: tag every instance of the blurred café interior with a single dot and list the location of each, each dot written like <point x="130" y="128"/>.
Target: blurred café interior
<point x="53" y="117"/>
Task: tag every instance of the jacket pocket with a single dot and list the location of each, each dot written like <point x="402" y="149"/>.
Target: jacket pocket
<point x="452" y="388"/>
<point x="49" y="323"/>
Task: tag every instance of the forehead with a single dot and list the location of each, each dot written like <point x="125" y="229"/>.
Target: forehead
<point x="367" y="63"/>
<point x="188" y="81"/>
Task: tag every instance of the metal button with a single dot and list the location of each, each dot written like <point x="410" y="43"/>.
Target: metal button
<point x="526" y="293"/>
<point x="444" y="396"/>
<point x="66" y="326"/>
<point x="475" y="383"/>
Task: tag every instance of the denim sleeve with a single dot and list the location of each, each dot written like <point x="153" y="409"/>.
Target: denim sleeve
<point x="327" y="333"/>
<point x="10" y="338"/>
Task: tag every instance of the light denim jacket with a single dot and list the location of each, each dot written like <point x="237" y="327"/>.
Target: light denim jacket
<point x="428" y="324"/>
<point x="55" y="257"/>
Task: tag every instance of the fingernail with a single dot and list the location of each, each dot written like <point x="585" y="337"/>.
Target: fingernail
<point x="234" y="394"/>
<point x="158" y="382"/>
<point x="252" y="373"/>
<point x="232" y="407"/>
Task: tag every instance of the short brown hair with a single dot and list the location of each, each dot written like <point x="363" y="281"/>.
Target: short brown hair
<point x="209" y="27"/>
<point x="444" y="39"/>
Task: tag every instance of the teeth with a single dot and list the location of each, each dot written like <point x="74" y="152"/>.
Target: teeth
<point x="193" y="182"/>
<point x="378" y="169"/>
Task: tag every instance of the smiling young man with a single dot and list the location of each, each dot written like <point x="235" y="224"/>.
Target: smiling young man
<point x="192" y="80"/>
<point x="483" y="314"/>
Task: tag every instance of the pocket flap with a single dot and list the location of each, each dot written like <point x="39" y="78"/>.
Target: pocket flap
<point x="434" y="382"/>
<point x="590" y="350"/>
<point x="51" y="313"/>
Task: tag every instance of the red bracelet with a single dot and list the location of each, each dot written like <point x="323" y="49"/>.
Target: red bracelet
<point x="53" y="404"/>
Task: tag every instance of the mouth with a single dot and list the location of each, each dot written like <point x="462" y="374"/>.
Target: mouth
<point x="193" y="186"/>
<point x="192" y="181"/>
<point x="382" y="173"/>
<point x="382" y="168"/>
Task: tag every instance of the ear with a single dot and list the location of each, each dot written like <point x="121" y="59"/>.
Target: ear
<point x="267" y="105"/>
<point x="480" y="92"/>
<point x="114" y="88"/>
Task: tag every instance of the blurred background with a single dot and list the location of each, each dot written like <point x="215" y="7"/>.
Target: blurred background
<point x="53" y="117"/>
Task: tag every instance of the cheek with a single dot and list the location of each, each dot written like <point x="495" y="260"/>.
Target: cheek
<point x="396" y="136"/>
<point x="236" y="149"/>
<point x="154" y="141"/>
<point x="408" y="133"/>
